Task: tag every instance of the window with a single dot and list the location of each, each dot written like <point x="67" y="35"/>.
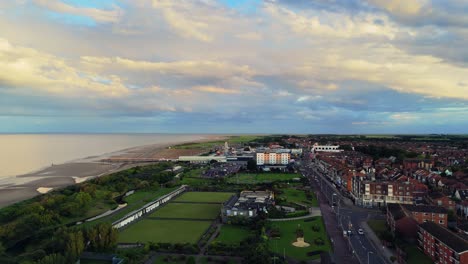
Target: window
<point x="441" y="215"/>
<point x="426" y="214"/>
<point x="441" y="221"/>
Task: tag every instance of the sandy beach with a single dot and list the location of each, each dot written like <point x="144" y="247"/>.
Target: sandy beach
<point x="21" y="187"/>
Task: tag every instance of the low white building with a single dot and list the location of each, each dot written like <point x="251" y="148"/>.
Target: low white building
<point x="326" y="148"/>
<point x="203" y="159"/>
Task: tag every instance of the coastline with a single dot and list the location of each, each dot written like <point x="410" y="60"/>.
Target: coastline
<point x="26" y="186"/>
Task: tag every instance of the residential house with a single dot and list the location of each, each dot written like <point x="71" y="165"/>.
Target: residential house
<point x="442" y="245"/>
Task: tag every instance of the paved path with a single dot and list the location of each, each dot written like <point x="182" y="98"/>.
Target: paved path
<point x="384" y="251"/>
<point x="203" y="249"/>
<point x="313" y="211"/>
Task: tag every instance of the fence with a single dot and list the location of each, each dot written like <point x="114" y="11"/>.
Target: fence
<point x="133" y="216"/>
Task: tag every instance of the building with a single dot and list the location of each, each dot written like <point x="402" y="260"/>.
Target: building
<point x="248" y="204"/>
<point x="442" y="245"/>
<point x="378" y="194"/>
<point x="326" y="148"/>
<point x="414" y="164"/>
<point x="403" y="219"/>
<point x="273" y="158"/>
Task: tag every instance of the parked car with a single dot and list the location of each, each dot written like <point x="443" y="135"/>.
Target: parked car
<point x="350" y="232"/>
<point x="345" y="234"/>
<point x="360" y="231"/>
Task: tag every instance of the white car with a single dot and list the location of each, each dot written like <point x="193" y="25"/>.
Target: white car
<point x="360" y="231"/>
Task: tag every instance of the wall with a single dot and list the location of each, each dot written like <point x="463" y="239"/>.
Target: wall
<point x="133" y="216"/>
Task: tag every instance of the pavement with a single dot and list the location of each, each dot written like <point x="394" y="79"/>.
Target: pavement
<point x="313" y="211"/>
<point x="340" y="214"/>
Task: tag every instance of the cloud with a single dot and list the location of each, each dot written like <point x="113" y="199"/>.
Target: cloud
<point x="401" y="7"/>
<point x="98" y="15"/>
<point x="213" y="89"/>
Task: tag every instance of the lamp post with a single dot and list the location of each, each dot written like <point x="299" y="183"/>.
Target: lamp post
<point x="368" y="256"/>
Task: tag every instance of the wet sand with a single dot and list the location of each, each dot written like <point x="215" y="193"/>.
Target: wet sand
<point x="15" y="189"/>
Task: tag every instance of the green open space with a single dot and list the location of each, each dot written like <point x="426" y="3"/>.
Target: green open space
<point x="232" y="234"/>
<point x="211" y="144"/>
<point x="416" y="256"/>
<point x="164" y="231"/>
<point x="188" y="210"/>
<point x="136" y="201"/>
<point x="378" y="226"/>
<point x="288" y="236"/>
<point x="204" y="197"/>
<point x="292" y="195"/>
<point x="266" y="177"/>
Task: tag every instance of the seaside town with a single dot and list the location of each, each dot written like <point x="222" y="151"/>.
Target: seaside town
<point x="258" y="199"/>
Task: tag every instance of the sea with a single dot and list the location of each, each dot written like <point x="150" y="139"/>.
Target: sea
<point x="25" y="153"/>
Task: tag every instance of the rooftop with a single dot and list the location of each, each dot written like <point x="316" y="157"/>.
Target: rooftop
<point x="452" y="240"/>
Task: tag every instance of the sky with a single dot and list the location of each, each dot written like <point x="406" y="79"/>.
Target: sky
<point x="234" y="66"/>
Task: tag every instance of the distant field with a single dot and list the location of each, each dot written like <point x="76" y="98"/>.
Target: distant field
<point x="252" y="178"/>
<point x="188" y="210"/>
<point x="204" y="197"/>
<point x="211" y="144"/>
<point x="167" y="231"/>
<point x="288" y="236"/>
<point x="231" y="234"/>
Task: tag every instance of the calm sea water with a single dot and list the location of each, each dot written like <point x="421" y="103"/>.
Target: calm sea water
<point x="24" y="153"/>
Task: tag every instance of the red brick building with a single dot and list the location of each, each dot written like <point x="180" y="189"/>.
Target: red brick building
<point x="442" y="245"/>
<point x="403" y="219"/>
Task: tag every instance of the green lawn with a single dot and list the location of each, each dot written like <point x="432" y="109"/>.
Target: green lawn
<point x="416" y="256"/>
<point x="266" y="177"/>
<point x="232" y="234"/>
<point x="298" y="196"/>
<point x="188" y="210"/>
<point x="167" y="231"/>
<point x="378" y="226"/>
<point x="288" y="236"/>
<point x="220" y="143"/>
<point x="204" y="197"/>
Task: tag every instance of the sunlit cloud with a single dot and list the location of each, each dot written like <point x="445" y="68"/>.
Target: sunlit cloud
<point x="330" y="66"/>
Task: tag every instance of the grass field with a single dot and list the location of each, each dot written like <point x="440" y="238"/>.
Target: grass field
<point x="288" y="236"/>
<point x="211" y="144"/>
<point x="204" y="197"/>
<point x="298" y="196"/>
<point x="232" y="234"/>
<point x="188" y="210"/>
<point x="252" y="178"/>
<point x="167" y="231"/>
<point x="416" y="256"/>
<point x="378" y="226"/>
<point x="93" y="261"/>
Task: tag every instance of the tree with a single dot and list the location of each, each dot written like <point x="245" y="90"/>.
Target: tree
<point x="74" y="246"/>
<point x="2" y="249"/>
<point x="53" y="259"/>
<point x="251" y="165"/>
<point x="191" y="260"/>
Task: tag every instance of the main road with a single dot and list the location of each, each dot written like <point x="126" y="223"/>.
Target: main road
<point x="340" y="215"/>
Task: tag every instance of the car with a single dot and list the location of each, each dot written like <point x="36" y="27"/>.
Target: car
<point x="350" y="232"/>
<point x="345" y="234"/>
<point x="360" y="231"/>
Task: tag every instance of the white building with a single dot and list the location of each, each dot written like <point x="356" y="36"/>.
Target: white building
<point x="203" y="159"/>
<point x="326" y="148"/>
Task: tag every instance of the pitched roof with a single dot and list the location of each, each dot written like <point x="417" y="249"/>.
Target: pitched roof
<point x="452" y="240"/>
<point x="425" y="208"/>
<point x="396" y="211"/>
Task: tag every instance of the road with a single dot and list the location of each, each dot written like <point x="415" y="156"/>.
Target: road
<point x="340" y="214"/>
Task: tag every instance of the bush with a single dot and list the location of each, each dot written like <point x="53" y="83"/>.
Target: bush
<point x="319" y="242"/>
<point x="392" y="258"/>
<point x="315" y="228"/>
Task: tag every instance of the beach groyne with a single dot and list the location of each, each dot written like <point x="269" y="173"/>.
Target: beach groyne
<point x="148" y="208"/>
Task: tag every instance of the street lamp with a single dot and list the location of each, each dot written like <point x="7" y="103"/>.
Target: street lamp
<point x="368" y="255"/>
